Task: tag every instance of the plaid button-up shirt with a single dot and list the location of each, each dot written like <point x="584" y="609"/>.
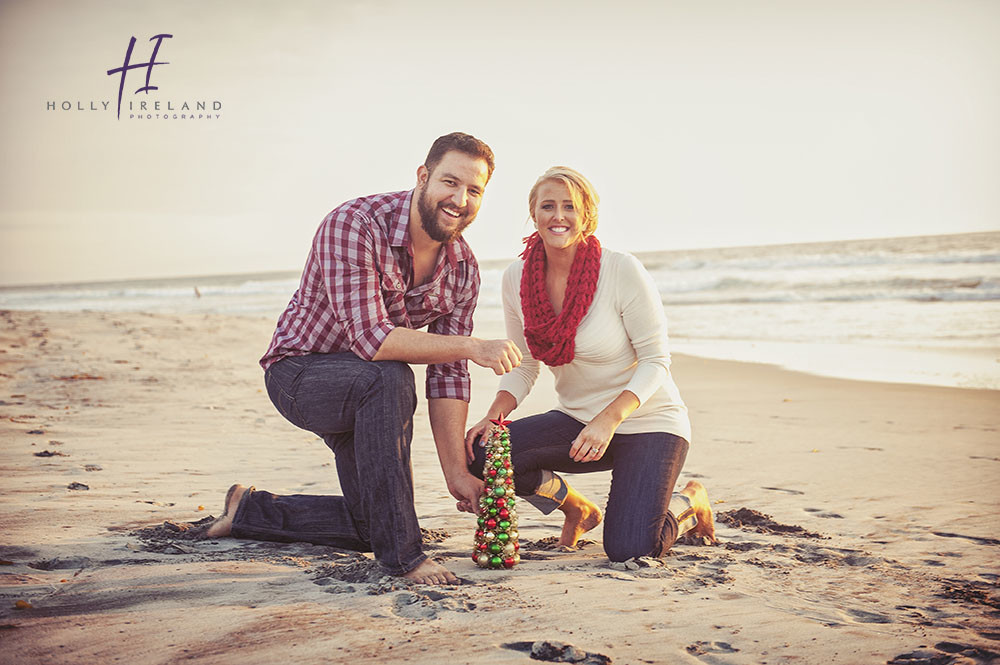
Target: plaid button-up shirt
<point x="357" y="286"/>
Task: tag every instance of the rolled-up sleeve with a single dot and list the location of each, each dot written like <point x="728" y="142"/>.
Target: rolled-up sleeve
<point x="451" y="380"/>
<point x="345" y="249"/>
<point x="646" y="326"/>
<point x="519" y="381"/>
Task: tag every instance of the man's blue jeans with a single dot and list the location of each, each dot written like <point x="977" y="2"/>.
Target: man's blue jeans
<point x="644" y="470"/>
<point x="363" y="410"/>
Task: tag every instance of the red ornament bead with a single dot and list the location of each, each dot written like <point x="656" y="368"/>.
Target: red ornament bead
<point x="508" y="562"/>
<point x="510" y="481"/>
<point x="506" y="463"/>
<point x="475" y="557"/>
<point x="504" y="513"/>
<point x="493" y="472"/>
<point x="479" y="534"/>
<point x="517" y="546"/>
<point x="491" y="523"/>
<point x="482" y="547"/>
<point x="501" y="503"/>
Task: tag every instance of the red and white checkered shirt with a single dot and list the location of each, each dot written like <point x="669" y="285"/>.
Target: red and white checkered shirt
<point x="357" y="286"/>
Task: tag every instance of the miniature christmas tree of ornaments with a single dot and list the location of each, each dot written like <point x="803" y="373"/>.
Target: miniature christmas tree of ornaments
<point x="496" y="536"/>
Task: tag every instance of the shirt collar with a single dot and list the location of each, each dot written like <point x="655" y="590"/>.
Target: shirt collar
<point x="399" y="228"/>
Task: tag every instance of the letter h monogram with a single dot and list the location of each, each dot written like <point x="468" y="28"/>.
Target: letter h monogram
<point x="148" y="65"/>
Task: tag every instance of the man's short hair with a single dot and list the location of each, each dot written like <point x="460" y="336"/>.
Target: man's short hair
<point x="464" y="143"/>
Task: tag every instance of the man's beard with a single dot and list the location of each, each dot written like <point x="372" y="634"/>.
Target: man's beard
<point x="429" y="220"/>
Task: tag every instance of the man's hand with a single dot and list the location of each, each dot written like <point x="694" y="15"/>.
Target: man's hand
<point x="499" y="355"/>
<point x="466" y="488"/>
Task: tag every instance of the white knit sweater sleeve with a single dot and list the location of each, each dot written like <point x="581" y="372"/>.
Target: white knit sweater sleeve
<point x="646" y="326"/>
<point x="519" y="381"/>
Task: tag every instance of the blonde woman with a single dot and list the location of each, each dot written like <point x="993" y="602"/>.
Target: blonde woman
<point x="595" y="318"/>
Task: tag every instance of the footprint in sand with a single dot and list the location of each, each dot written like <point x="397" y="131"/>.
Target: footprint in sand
<point x="427" y="604"/>
<point x="782" y="489"/>
<point x="703" y="648"/>
<point x="819" y="512"/>
<point x="62" y="563"/>
<point x="862" y="616"/>
<point x="976" y="539"/>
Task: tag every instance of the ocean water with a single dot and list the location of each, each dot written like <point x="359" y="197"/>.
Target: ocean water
<point x="919" y="310"/>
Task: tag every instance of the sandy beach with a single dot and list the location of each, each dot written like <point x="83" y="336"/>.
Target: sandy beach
<point x="859" y="522"/>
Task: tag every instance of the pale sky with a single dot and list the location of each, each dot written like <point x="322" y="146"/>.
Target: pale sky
<point x="701" y="124"/>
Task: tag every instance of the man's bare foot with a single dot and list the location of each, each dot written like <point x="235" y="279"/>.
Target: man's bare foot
<point x="431" y="572"/>
<point x="223" y="525"/>
<point x="702" y="509"/>
<point x="582" y="515"/>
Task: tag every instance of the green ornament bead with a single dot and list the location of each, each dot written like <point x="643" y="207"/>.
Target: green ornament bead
<point x="496" y="548"/>
<point x="490" y="501"/>
<point x="503" y="537"/>
<point x="504" y="524"/>
<point x="496" y="562"/>
<point x="497" y="464"/>
<point x="499" y="491"/>
<point x="493" y="511"/>
<point x="482" y="522"/>
<point x="501" y="472"/>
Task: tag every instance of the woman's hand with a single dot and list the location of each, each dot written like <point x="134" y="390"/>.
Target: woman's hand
<point x="502" y="405"/>
<point x="478" y="430"/>
<point x="594" y="439"/>
<point x="592" y="442"/>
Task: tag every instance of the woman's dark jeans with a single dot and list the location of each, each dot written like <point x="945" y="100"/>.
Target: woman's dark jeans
<point x="363" y="410"/>
<point x="644" y="470"/>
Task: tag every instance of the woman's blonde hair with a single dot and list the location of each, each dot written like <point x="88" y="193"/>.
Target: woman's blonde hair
<point x="585" y="198"/>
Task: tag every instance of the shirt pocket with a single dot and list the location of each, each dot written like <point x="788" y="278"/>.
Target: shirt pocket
<point x="392" y="283"/>
<point x="393" y="295"/>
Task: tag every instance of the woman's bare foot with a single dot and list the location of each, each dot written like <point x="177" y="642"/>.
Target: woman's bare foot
<point x="702" y="510"/>
<point x="582" y="515"/>
<point x="223" y="525"/>
<point x="431" y="572"/>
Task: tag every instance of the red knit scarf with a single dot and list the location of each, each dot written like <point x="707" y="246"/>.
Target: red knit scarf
<point x="551" y="338"/>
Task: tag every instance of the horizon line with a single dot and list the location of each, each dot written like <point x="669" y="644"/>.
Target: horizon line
<point x="483" y="262"/>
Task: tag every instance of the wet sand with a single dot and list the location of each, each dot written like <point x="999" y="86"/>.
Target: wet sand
<point x="859" y="522"/>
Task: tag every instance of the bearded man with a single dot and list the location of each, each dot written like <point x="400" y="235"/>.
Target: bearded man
<point x="380" y="267"/>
